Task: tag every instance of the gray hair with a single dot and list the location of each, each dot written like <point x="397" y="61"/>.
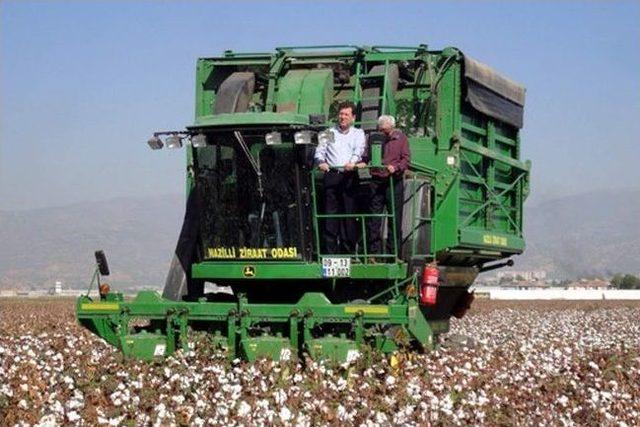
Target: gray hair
<point x="387" y="119"/>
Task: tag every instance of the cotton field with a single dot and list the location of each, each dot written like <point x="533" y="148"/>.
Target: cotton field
<point x="526" y="363"/>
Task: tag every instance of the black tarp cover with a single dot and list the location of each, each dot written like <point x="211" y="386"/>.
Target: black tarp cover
<point x="179" y="283"/>
<point x="234" y="95"/>
<point x="493" y="94"/>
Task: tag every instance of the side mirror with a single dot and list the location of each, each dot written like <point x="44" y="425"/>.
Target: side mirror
<point x="101" y="261"/>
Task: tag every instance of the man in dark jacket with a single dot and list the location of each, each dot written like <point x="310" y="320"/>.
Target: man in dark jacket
<point x="395" y="160"/>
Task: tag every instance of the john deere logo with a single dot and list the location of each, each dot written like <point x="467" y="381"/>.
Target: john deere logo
<point x="249" y="271"/>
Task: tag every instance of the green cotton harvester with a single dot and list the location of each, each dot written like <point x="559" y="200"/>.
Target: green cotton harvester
<point x="249" y="266"/>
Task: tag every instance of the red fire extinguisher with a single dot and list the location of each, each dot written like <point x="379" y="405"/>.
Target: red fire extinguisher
<point x="429" y="288"/>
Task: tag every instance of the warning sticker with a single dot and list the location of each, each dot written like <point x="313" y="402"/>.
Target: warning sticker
<point x="159" y="350"/>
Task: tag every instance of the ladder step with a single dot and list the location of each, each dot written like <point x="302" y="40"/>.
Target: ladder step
<point x="372" y="76"/>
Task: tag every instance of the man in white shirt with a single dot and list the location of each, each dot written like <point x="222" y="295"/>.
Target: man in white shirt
<point x="338" y="162"/>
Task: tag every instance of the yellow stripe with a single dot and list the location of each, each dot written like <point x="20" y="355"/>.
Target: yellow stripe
<point x="111" y="306"/>
<point x="367" y="309"/>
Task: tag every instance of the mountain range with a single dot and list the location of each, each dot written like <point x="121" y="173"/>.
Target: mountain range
<point x="41" y="246"/>
<point x="595" y="233"/>
<point x="591" y="234"/>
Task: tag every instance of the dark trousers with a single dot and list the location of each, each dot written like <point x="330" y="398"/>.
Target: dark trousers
<point x="340" y="198"/>
<point x="380" y="197"/>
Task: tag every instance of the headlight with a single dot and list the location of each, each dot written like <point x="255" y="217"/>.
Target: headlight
<point x="199" y="140"/>
<point x="326" y="137"/>
<point x="155" y="143"/>
<point x="302" y="137"/>
<point x="273" y="138"/>
<point x="174" y="141"/>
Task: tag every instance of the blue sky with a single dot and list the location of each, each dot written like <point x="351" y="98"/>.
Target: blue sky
<point x="84" y="84"/>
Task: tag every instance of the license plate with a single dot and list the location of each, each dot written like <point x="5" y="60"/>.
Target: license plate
<point x="336" y="267"/>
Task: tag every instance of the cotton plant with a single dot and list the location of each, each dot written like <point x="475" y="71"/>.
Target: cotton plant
<point x="561" y="366"/>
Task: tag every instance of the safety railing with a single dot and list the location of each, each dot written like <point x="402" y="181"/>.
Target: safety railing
<point x="361" y="251"/>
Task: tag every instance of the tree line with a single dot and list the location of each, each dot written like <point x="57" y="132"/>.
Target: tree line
<point x="625" y="281"/>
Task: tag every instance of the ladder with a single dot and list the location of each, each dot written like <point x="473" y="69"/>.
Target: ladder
<point x="377" y="80"/>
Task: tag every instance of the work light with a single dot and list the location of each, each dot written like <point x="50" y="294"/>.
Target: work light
<point x="302" y="137"/>
<point x="155" y="143"/>
<point x="199" y="140"/>
<point x="174" y="141"/>
<point x="273" y="138"/>
<point x="326" y="137"/>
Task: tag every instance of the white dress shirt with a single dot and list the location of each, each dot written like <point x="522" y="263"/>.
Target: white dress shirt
<point x="347" y="147"/>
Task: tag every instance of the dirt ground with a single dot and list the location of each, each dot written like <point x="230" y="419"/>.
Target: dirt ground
<point x="524" y="362"/>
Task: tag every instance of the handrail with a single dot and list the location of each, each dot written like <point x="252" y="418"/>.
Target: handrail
<point x="232" y="54"/>
<point x="420" y="47"/>
<point x="336" y="46"/>
<point x="361" y="216"/>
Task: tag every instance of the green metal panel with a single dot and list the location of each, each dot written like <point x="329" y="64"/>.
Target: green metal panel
<point x="389" y="56"/>
<point x="292" y="270"/>
<point x="205" y="94"/>
<point x="251" y="119"/>
<point x="289" y="90"/>
<point x="482" y="238"/>
<point x="332" y="348"/>
<point x="274" y="348"/>
<point x="145" y="346"/>
<point x="169" y="321"/>
<point x="447" y="179"/>
<point x="305" y="91"/>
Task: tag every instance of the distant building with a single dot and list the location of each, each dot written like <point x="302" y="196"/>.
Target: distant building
<point x="8" y="293"/>
<point x="522" y="275"/>
<point x="534" y="284"/>
<point x="57" y="288"/>
<point x="487" y="281"/>
<point x="584" y="284"/>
